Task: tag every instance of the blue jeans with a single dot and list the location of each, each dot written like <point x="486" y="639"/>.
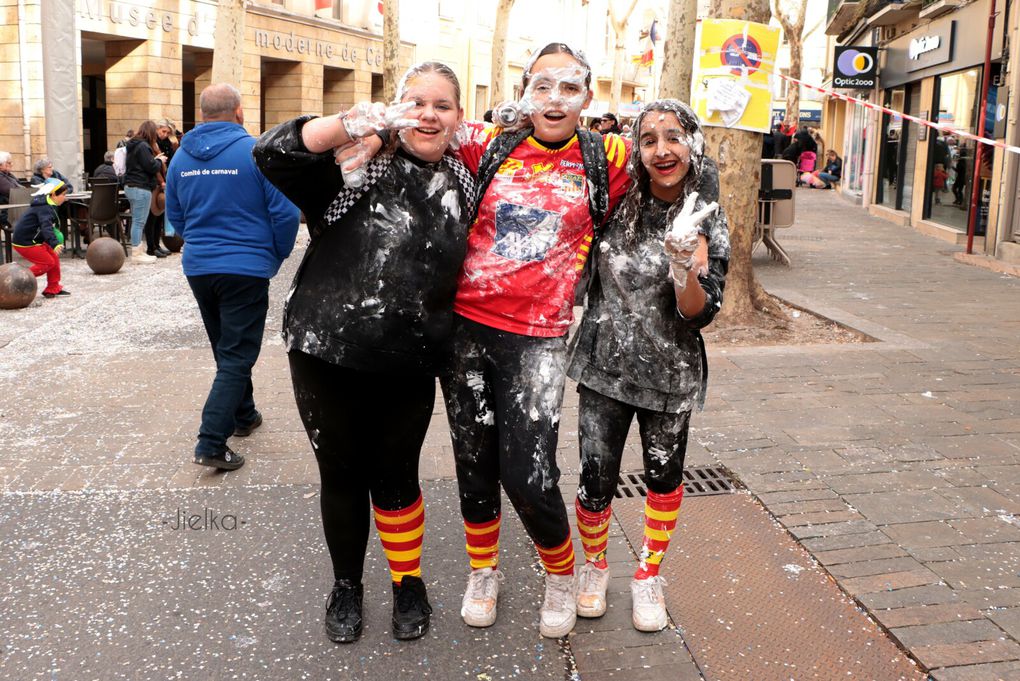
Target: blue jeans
<point x="140" y="200"/>
<point x="828" y="179"/>
<point x="233" y="308"/>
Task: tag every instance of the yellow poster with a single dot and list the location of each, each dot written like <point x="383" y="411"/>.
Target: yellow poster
<point x="733" y="74"/>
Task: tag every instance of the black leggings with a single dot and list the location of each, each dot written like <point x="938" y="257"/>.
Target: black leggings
<point x="503" y="399"/>
<point x="153" y="230"/>
<point x="367" y="430"/>
<point x="603" y="426"/>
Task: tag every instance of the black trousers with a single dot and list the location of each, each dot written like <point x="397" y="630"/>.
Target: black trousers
<point x="603" y="426"/>
<point x="153" y="231"/>
<point x="366" y="430"/>
<point x="503" y="399"/>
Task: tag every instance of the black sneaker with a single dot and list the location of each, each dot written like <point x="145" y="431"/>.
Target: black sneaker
<point x="164" y="251"/>
<point x="411" y="609"/>
<point x="62" y="292"/>
<point x="227" y="460"/>
<point x="157" y="253"/>
<point x="245" y="431"/>
<point x="343" y="611"/>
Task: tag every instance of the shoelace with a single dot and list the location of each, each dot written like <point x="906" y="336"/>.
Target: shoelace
<point x="557" y="592"/>
<point x="341" y="599"/>
<point x="408" y="598"/>
<point x="589" y="577"/>
<point x="482" y="585"/>
<point x="645" y="594"/>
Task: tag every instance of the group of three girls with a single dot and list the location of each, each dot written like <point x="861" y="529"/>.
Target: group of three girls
<point x="410" y="275"/>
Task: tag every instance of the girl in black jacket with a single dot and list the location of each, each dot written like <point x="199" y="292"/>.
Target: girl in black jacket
<point x="367" y="320"/>
<point x="638" y="351"/>
<point x="144" y="166"/>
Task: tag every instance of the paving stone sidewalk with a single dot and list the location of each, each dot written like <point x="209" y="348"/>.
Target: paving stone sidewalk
<point x="894" y="463"/>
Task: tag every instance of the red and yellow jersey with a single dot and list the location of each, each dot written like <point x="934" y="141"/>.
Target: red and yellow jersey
<point x="528" y="246"/>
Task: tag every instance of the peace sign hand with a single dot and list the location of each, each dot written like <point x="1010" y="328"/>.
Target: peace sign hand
<point x="681" y="242"/>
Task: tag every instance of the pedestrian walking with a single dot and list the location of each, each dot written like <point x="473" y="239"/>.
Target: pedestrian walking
<point x="238" y="228"/>
<point x="638" y="351"/>
<point x="368" y="322"/>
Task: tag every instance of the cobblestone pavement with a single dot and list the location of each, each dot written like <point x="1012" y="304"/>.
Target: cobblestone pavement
<point x="894" y="463"/>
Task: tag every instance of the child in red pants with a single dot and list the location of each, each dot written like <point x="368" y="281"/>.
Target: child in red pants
<point x="37" y="238"/>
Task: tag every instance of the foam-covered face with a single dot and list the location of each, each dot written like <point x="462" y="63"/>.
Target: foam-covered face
<point x="438" y="114"/>
<point x="665" y="149"/>
<point x="555" y="96"/>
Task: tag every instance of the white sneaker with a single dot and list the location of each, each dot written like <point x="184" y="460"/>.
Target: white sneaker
<point x="559" y="609"/>
<point x="138" y="255"/>
<point x="648" y="604"/>
<point x="478" y="609"/>
<point x="592" y="583"/>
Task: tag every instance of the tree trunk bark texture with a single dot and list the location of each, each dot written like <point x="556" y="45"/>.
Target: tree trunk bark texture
<point x="791" y="15"/>
<point x="738" y="154"/>
<point x="497" y="78"/>
<point x="678" y="51"/>
<point x="620" y="53"/>
<point x="391" y="49"/>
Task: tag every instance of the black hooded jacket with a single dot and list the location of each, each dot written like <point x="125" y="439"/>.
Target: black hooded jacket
<point x="36" y="225"/>
<point x="141" y="165"/>
<point x="375" y="289"/>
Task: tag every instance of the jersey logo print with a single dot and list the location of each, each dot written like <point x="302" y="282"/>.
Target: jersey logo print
<point x="510" y="166"/>
<point x="524" y="233"/>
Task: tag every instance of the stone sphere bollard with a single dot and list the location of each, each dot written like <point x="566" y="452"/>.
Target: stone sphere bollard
<point x="105" y="255"/>
<point x="17" y="286"/>
<point x="173" y="243"/>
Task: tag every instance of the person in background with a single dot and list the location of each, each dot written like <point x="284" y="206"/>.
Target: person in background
<point x="144" y="165"/>
<point x="37" y="237"/>
<point x="768" y="144"/>
<point x="824" y="177"/>
<point x="239" y="229"/>
<point x="487" y="116"/>
<point x="105" y="169"/>
<point x="44" y="170"/>
<point x="609" y="124"/>
<point x="7" y="182"/>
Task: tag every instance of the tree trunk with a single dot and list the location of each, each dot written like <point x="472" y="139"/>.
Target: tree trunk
<point x="497" y="78"/>
<point x="678" y="51"/>
<point x="791" y="15"/>
<point x="738" y="154"/>
<point x="619" y="53"/>
<point x="228" y="64"/>
<point x="391" y="49"/>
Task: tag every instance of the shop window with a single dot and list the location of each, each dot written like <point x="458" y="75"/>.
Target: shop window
<point x="951" y="157"/>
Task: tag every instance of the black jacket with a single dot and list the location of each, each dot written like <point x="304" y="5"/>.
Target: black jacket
<point x="141" y="165"/>
<point x="106" y="172"/>
<point x="633" y="345"/>
<point x="35" y="226"/>
<point x="39" y="179"/>
<point x="375" y="289"/>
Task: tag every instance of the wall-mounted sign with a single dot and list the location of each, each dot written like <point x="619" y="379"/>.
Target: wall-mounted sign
<point x="932" y="47"/>
<point x="855" y="67"/>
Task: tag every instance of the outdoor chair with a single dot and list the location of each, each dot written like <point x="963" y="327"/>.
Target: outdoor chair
<point x="18" y="195"/>
<point x="103" y="211"/>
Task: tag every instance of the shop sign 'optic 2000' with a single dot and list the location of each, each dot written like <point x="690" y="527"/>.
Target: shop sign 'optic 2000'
<point x="855" y="67"/>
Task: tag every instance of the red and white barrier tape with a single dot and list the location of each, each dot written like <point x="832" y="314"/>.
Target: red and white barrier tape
<point x="920" y="121"/>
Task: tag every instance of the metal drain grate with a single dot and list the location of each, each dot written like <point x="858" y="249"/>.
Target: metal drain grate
<point x="699" y="481"/>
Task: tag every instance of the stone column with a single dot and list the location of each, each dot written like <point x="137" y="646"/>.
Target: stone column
<point x="290" y="89"/>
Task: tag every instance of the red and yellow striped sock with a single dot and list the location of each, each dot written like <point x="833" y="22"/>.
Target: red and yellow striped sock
<point x="593" y="527"/>
<point x="401" y="534"/>
<point x="558" y="560"/>
<point x="483" y="543"/>
<point x="661" y="511"/>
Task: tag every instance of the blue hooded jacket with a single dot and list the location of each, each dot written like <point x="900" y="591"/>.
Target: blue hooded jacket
<point x="232" y="219"/>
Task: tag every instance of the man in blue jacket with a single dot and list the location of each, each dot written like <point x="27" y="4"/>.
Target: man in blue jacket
<point x="237" y="229"/>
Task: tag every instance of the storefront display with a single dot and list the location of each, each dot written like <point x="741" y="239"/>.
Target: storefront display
<point x="951" y="157"/>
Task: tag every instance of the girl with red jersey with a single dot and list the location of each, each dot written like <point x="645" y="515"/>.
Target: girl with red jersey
<point x="514" y="305"/>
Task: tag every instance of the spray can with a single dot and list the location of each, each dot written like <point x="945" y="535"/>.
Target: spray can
<point x="506" y="115"/>
<point x="353" y="178"/>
